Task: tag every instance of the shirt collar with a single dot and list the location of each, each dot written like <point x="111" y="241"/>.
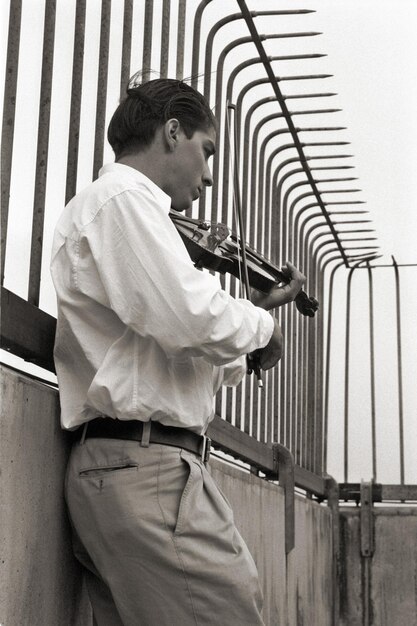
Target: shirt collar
<point x="160" y="196"/>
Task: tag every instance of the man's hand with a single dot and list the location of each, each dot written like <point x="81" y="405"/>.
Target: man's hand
<point x="281" y="295"/>
<point x="271" y="354"/>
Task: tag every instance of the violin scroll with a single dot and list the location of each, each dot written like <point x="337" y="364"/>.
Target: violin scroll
<point x="306" y="305"/>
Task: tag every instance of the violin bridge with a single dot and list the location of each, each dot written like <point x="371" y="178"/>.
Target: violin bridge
<point x="218" y="233"/>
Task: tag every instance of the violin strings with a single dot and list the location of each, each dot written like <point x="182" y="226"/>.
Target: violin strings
<point x="234" y="204"/>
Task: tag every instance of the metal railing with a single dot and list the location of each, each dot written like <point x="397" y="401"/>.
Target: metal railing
<point x="288" y="213"/>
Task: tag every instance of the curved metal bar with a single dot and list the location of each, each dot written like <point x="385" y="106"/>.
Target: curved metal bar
<point x="399" y="365"/>
<point x="196" y="41"/>
<point x="282" y="214"/>
<point x="218" y="109"/>
<point x="265" y="187"/>
<point x="256" y="60"/>
<point x="246" y="177"/>
<point x="303" y="348"/>
<point x="294" y="375"/>
<point x="320" y="455"/>
<point x="312" y="422"/>
<point x="287" y="227"/>
<point x="284" y="109"/>
<point x="223" y="22"/>
<point x="264" y="81"/>
<point x="279" y="186"/>
<point x="271" y="195"/>
<point x="257" y="130"/>
<point x="346" y="386"/>
<point x="327" y="358"/>
<point x="372" y="368"/>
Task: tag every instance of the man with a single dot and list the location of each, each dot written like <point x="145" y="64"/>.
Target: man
<point x="144" y="341"/>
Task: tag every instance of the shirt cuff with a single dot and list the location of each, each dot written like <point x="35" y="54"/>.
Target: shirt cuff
<point x="267" y="327"/>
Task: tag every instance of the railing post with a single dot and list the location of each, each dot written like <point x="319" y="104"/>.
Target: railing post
<point x="284" y="467"/>
<point x="332" y="489"/>
<point x="367" y="547"/>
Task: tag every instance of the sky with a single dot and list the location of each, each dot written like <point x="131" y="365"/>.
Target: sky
<point x="371" y="51"/>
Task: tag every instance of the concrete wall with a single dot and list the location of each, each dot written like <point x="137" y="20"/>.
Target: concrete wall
<point x="297" y="589"/>
<point x="392" y="568"/>
<point x="41" y="583"/>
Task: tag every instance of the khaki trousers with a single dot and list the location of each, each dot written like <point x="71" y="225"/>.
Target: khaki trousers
<point x="157" y="539"/>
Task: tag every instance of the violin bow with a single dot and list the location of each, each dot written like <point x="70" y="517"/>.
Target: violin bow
<point x="252" y="359"/>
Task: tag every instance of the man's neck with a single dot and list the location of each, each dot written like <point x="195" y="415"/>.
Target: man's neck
<point x="145" y="163"/>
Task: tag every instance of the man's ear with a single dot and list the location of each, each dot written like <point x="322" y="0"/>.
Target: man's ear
<point x="172" y="132"/>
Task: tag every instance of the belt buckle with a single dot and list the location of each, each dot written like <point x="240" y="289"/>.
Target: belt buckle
<point x="205" y="449"/>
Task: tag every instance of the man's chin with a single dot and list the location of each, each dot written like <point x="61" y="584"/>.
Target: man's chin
<point x="181" y="206"/>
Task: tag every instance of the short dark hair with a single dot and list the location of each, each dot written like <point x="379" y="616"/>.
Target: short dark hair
<point x="149" y="105"/>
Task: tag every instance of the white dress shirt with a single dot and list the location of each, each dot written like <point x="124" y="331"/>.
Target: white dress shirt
<point x="141" y="333"/>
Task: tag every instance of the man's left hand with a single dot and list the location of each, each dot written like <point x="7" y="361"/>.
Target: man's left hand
<point x="283" y="294"/>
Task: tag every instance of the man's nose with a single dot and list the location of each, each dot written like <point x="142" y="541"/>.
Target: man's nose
<point x="207" y="177"/>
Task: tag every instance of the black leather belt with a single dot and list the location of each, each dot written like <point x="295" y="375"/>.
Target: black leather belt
<point x="109" y="428"/>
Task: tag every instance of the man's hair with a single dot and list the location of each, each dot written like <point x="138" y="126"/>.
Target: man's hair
<point x="148" y="106"/>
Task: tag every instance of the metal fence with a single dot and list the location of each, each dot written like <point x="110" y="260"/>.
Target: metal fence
<point x="297" y="195"/>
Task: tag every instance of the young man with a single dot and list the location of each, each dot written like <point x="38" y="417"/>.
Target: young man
<point x="144" y="341"/>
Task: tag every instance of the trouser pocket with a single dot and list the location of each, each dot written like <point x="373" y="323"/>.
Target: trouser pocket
<point x="185" y="501"/>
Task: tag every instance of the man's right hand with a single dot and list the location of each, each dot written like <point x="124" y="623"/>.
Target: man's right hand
<point x="271" y="354"/>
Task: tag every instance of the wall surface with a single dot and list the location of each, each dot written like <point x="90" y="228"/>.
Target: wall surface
<point x="41" y="583"/>
<point x="297" y="589"/>
<point x="392" y="587"/>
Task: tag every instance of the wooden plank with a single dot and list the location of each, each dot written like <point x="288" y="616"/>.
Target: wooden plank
<point x="313" y="483"/>
<point x="246" y="448"/>
<point x="27" y="331"/>
<point x="399" y="492"/>
<point x="241" y="445"/>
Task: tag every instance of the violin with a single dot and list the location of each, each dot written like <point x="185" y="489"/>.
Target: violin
<point x="213" y="246"/>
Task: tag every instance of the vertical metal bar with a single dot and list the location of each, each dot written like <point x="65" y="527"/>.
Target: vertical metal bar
<point x="9" y="108"/>
<point x="372" y="368"/>
<point x="126" y="46"/>
<point x="346" y="390"/>
<point x="196" y="41"/>
<point x="400" y="377"/>
<point x="74" y="126"/>
<point x="166" y="8"/>
<point x="102" y="86"/>
<point x="147" y="40"/>
<point x="42" y="153"/>
<point x="182" y="8"/>
<point x="327" y="363"/>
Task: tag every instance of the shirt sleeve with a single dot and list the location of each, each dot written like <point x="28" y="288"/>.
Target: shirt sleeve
<point x="229" y="375"/>
<point x="154" y="288"/>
